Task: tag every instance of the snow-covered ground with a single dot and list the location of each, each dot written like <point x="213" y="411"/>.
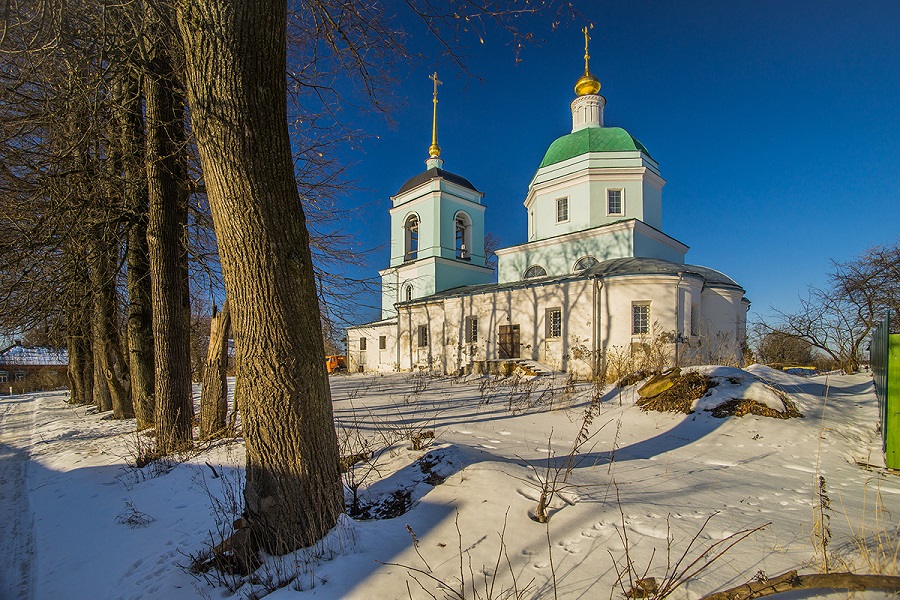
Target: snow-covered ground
<point x="79" y="522"/>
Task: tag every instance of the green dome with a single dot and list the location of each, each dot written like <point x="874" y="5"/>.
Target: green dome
<point x="591" y="139"/>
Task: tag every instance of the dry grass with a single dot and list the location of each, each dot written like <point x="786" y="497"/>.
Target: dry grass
<point x="740" y="408"/>
<point x="680" y="397"/>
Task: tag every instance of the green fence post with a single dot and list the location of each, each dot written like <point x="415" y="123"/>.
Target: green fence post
<point x="891" y="413"/>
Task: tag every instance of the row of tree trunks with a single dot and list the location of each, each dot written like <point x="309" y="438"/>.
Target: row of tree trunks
<point x="214" y="394"/>
<point x="235" y="73"/>
<point x="167" y="237"/>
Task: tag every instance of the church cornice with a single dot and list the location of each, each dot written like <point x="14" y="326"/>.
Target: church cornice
<point x="419" y="262"/>
<point x="609" y="228"/>
<point x="432" y="195"/>
<point x="594" y="175"/>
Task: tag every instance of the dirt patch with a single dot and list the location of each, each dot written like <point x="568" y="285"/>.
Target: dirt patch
<point x="394" y="505"/>
<point x="427" y="464"/>
<point x="740" y="407"/>
<point x="680" y="397"/>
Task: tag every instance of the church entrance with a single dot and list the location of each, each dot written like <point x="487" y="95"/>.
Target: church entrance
<point x="509" y="341"/>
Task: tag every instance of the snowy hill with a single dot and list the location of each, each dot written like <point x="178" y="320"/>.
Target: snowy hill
<point x="645" y="486"/>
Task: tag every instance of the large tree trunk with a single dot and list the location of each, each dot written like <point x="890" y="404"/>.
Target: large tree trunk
<point x="102" y="396"/>
<point x="137" y="259"/>
<point x="78" y="345"/>
<point x="236" y="86"/>
<point x="214" y="396"/>
<point x="167" y="237"/>
<point x="109" y="363"/>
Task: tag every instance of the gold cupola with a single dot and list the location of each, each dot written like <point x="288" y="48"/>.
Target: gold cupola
<point x="587" y="84"/>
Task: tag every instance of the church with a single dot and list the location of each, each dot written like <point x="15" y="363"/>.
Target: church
<point x="596" y="277"/>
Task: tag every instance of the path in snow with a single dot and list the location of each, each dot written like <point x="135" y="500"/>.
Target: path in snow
<point x="16" y="536"/>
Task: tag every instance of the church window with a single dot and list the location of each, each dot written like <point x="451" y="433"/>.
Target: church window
<point x="614" y="204"/>
<point x="562" y="210"/>
<point x="554" y="322"/>
<point x="411" y="238"/>
<point x="382" y="342"/>
<point x="362" y="343"/>
<point x="585" y="262"/>
<point x="407" y="293"/>
<point x="423" y="335"/>
<point x="4" y="376"/>
<point x="640" y="319"/>
<point x="471" y="329"/>
<point x="534" y="271"/>
<point x="20" y="375"/>
<point x="463" y="236"/>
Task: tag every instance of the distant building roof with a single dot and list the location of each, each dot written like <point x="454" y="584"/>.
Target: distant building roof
<point x="35" y="356"/>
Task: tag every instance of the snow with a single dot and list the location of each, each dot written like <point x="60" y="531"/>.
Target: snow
<point x="81" y="523"/>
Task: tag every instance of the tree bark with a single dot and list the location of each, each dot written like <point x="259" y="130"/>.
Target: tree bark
<point x="214" y="395"/>
<point x="235" y="75"/>
<point x="818" y="581"/>
<point x="137" y="259"/>
<point x="109" y="364"/>
<point x="80" y="357"/>
<point x="167" y="237"/>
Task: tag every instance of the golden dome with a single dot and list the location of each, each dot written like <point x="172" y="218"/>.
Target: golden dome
<point x="588" y="84"/>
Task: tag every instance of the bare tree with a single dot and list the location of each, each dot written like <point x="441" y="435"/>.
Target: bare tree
<point x="782" y="348"/>
<point x="839" y="318"/>
<point x="293" y="489"/>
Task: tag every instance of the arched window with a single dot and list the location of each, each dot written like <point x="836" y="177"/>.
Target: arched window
<point x="411" y="238"/>
<point x="585" y="262"/>
<point x="407" y="293"/>
<point x="463" y="225"/>
<point x="534" y="271"/>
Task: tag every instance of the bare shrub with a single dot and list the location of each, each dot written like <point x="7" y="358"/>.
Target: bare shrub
<point x="488" y="583"/>
<point x="637" y="582"/>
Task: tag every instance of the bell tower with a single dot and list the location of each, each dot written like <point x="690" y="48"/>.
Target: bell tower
<point x="437" y="232"/>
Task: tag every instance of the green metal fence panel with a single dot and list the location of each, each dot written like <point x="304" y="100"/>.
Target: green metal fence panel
<point x="885" y="359"/>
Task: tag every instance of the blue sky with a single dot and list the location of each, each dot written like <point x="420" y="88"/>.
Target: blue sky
<point x="775" y="124"/>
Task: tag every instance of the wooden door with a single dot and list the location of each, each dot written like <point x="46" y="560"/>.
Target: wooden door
<point x="509" y="341"/>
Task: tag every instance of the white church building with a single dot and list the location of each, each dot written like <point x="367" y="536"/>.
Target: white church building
<point x="597" y="275"/>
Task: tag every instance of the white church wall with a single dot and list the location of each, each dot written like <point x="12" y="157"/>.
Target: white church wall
<point x="545" y="211"/>
<point x="722" y="327"/>
<point x="619" y="294"/>
<point x="650" y="247"/>
<point x="414" y="355"/>
<point x="652" y="213"/>
<point x="558" y="257"/>
<point x="632" y="201"/>
<point x="452" y="274"/>
<point x="372" y="358"/>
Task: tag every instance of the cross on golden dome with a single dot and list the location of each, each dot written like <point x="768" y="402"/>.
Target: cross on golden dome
<point x="434" y="150"/>
<point x="587" y="84"/>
